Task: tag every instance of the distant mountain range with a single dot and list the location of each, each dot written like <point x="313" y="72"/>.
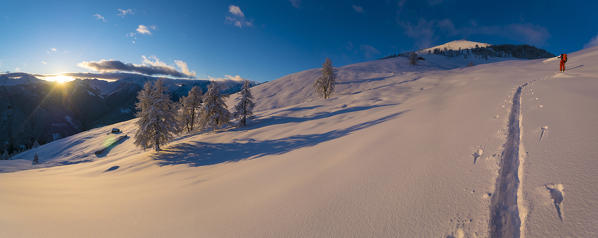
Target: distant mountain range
<point x="32" y="109"/>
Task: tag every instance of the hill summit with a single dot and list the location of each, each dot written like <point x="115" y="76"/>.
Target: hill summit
<point x="456" y="45"/>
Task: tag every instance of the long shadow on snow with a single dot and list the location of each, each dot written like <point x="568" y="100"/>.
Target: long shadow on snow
<point x="365" y="80"/>
<point x="296" y="109"/>
<point x="386" y="85"/>
<point x="201" y="153"/>
<point x="275" y="120"/>
<point x="105" y="151"/>
<point x="579" y="66"/>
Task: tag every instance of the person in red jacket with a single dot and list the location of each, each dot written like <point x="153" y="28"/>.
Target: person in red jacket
<point x="563" y="61"/>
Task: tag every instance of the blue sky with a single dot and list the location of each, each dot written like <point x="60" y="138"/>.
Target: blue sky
<point x="263" y="40"/>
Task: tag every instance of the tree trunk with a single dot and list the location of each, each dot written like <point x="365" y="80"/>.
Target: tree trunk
<point x="157" y="142"/>
<point x="192" y="119"/>
<point x="244" y="120"/>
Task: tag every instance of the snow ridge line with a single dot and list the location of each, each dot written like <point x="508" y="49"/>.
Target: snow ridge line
<point x="504" y="210"/>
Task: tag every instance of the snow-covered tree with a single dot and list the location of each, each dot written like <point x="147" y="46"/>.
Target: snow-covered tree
<point x="4" y="155"/>
<point x="214" y="113"/>
<point x="190" y="106"/>
<point x="35" y="159"/>
<point x="35" y="144"/>
<point x="324" y="85"/>
<point x="245" y="106"/>
<point x="157" y="117"/>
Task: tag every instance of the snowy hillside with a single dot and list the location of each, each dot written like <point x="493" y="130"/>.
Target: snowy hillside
<point x="456" y="45"/>
<point x="472" y="50"/>
<point x="32" y="109"/>
<point x="434" y="150"/>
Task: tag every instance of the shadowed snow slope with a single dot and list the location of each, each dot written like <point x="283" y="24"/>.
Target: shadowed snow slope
<point x="390" y="154"/>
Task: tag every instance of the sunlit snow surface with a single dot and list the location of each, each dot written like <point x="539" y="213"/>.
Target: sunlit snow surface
<point x="391" y="154"/>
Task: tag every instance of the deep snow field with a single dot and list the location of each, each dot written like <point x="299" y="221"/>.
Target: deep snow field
<point x="397" y="151"/>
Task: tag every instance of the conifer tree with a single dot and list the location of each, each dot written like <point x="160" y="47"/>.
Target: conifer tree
<point x="35" y="144"/>
<point x="156" y="112"/>
<point x="191" y="105"/>
<point x="245" y="106"/>
<point x="35" y="159"/>
<point x="324" y="85"/>
<point x="413" y="58"/>
<point x="214" y="113"/>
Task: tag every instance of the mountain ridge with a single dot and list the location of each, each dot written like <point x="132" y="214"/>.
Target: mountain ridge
<point x="33" y="109"/>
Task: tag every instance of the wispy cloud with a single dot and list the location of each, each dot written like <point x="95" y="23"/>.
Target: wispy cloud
<point x="369" y="51"/>
<point x="151" y="66"/>
<point x="44" y="62"/>
<point x="357" y="8"/>
<point x="236" y="17"/>
<point x="154" y="61"/>
<point x="533" y="34"/>
<point x="295" y="3"/>
<point x="124" y="12"/>
<point x="119" y="66"/>
<point x="182" y="65"/>
<point x="593" y="42"/>
<point x="142" y="29"/>
<point x="109" y="76"/>
<point x="428" y="32"/>
<point x="133" y="37"/>
<point x="235" y="10"/>
<point x="227" y="77"/>
<point x="124" y="75"/>
<point x="51" y="51"/>
<point x="184" y="68"/>
<point x="99" y="17"/>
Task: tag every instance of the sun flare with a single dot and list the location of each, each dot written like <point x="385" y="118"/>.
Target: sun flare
<point x="59" y="78"/>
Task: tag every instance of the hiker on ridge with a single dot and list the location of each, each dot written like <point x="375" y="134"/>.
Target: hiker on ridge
<point x="563" y="61"/>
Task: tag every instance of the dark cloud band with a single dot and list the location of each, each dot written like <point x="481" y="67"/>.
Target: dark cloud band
<point x="118" y="66"/>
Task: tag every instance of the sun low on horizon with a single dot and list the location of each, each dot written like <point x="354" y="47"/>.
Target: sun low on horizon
<point x="59" y="78"/>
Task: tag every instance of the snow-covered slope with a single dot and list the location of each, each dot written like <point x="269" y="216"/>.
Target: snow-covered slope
<point x="398" y="151"/>
<point x="456" y="45"/>
<point x="298" y="87"/>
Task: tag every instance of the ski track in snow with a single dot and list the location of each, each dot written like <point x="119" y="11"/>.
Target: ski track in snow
<point x="505" y="220"/>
